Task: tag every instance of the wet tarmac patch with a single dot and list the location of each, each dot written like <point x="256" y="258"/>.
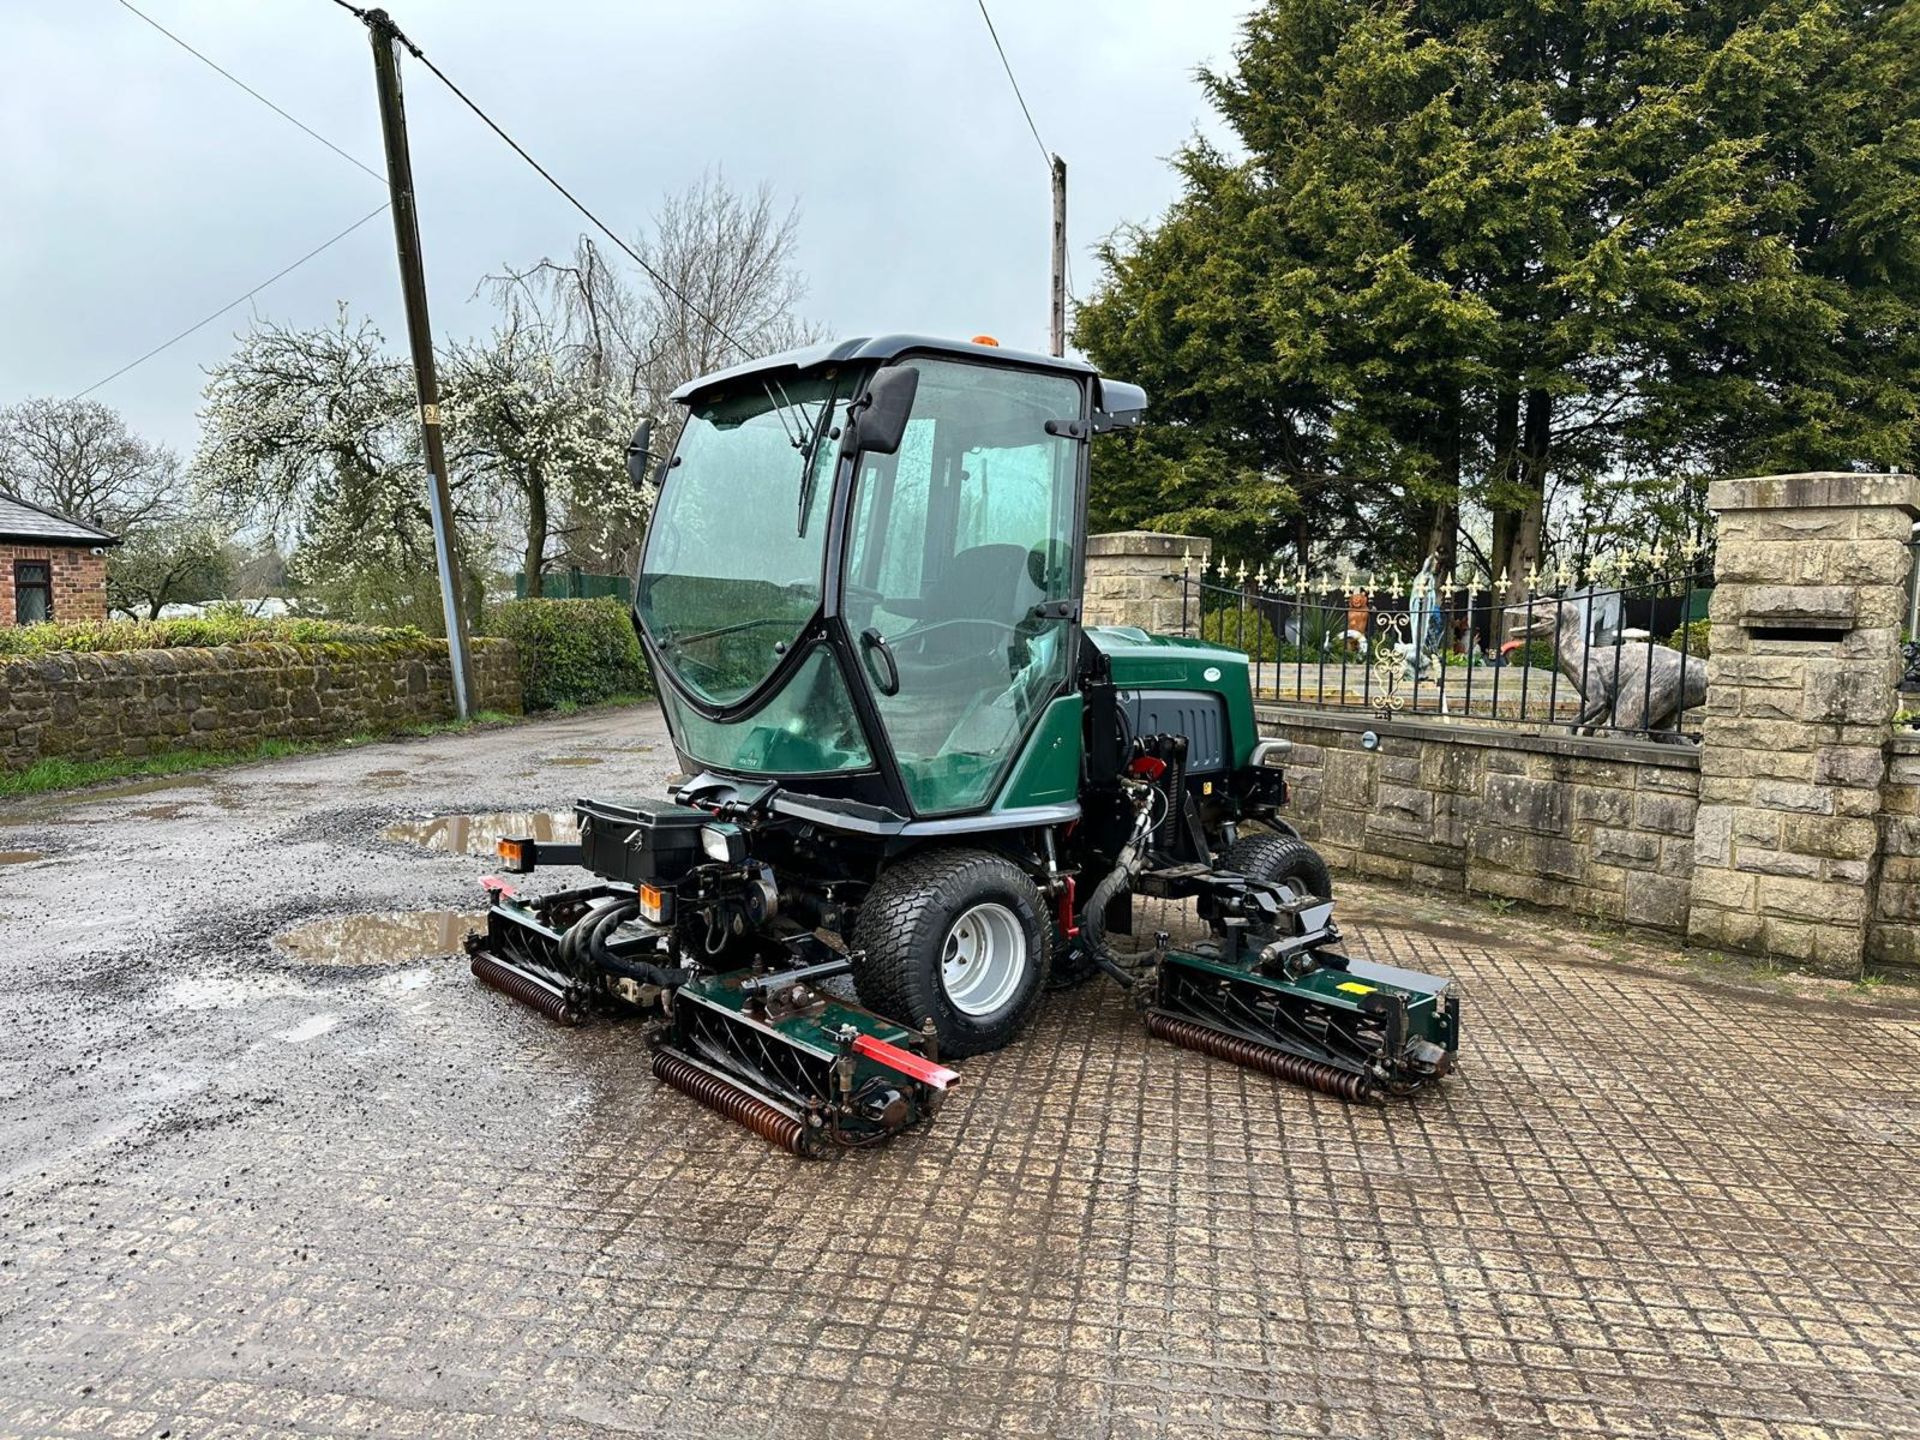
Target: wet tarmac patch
<point x="223" y="992"/>
<point x="478" y="834"/>
<point x="389" y="939"/>
<point x="20" y="857"/>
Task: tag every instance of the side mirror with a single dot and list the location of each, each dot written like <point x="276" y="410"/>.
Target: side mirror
<point x="637" y="453"/>
<point x="880" y="415"/>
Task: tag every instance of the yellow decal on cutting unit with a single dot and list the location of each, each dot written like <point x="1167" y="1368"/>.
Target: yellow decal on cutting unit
<point x="1354" y="987"/>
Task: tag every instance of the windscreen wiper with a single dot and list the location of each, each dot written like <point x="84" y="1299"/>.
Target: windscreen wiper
<point x="806" y="438"/>
<point x="815" y="425"/>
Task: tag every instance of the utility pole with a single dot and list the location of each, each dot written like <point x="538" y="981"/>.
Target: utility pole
<point x="1057" y="305"/>
<point x="387" y="39"/>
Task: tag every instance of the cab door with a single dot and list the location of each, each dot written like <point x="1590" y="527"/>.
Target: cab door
<point x="959" y="572"/>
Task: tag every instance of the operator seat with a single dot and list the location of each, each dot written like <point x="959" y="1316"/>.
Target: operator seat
<point x="989" y="582"/>
<point x="956" y="668"/>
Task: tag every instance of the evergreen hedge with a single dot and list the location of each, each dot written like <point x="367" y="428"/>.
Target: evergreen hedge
<point x="572" y="652"/>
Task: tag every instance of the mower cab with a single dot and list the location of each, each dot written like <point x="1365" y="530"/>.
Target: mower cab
<point x="906" y="760"/>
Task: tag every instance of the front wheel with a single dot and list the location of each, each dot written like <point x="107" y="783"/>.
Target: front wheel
<point x="1281" y="860"/>
<point x="957" y="934"/>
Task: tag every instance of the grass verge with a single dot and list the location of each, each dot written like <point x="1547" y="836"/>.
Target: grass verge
<point x="612" y="702"/>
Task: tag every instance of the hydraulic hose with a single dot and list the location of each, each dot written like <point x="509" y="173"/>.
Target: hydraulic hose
<point x="581" y="942"/>
<point x="593" y="946"/>
<point x="570" y="938"/>
<point x="1126" y="866"/>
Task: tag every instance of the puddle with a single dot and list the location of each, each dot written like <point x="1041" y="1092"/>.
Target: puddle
<point x="308" y="1029"/>
<point x="20" y="857"/>
<point x="392" y="939"/>
<point x="142" y="787"/>
<point x="477" y="834"/>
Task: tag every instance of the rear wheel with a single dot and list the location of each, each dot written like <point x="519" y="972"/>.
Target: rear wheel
<point x="1281" y="860"/>
<point x="960" y="935"/>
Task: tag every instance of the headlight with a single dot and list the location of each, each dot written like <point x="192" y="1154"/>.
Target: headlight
<point x="724" y="843"/>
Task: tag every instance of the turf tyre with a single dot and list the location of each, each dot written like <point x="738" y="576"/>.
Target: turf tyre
<point x="1279" y="858"/>
<point x="901" y="944"/>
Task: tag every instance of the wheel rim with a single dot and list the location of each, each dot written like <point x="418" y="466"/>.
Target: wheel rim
<point x="984" y="959"/>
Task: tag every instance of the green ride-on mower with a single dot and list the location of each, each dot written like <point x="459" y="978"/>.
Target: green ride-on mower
<point x="906" y="761"/>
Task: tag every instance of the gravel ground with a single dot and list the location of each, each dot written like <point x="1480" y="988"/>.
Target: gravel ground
<point x="244" y="1192"/>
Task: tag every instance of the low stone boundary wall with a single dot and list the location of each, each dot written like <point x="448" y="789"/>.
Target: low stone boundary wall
<point x="1599" y="827"/>
<point x="92" y="706"/>
<point x="1893" y="938"/>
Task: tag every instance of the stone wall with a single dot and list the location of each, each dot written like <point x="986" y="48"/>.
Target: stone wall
<point x="1810" y="595"/>
<point x="1598" y="827"/>
<point x="79" y="580"/>
<point x="1133" y="578"/>
<point x="1893" y="938"/>
<point x="230" y="697"/>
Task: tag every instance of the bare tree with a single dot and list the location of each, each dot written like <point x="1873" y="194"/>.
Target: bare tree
<point x="727" y="283"/>
<point x="167" y="561"/>
<point x="79" y="457"/>
<point x="723" y="288"/>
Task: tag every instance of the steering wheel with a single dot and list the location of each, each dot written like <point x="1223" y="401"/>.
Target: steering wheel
<point x="916" y="631"/>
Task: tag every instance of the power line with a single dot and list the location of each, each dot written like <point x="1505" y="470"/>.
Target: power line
<point x="1045" y="153"/>
<point x="253" y="92"/>
<point x="518" y="149"/>
<point x="202" y="324"/>
<point x="1005" y="64"/>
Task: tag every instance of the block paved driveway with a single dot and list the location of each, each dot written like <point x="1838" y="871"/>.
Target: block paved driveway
<point x="245" y="1196"/>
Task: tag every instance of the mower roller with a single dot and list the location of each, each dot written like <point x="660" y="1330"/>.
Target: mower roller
<point x="909" y="770"/>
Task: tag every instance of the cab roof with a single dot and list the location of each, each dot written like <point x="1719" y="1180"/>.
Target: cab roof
<point x="877" y="349"/>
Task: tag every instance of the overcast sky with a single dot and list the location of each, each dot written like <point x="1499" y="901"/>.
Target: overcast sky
<point x="142" y="190"/>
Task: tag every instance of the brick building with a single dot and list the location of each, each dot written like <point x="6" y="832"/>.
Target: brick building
<point x="51" y="567"/>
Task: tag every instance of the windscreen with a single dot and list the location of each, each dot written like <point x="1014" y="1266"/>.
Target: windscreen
<point x="732" y="568"/>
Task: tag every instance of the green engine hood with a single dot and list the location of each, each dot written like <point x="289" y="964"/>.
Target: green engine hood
<point x="1141" y="660"/>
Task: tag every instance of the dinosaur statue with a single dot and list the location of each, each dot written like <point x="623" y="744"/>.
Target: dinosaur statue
<point x="1633" y="686"/>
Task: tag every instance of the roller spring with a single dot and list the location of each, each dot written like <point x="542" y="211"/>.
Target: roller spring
<point x="1314" y="1074"/>
<point x="733" y="1102"/>
<point x="511" y="982"/>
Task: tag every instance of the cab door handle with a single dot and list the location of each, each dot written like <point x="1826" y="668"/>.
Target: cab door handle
<point x="873" y="643"/>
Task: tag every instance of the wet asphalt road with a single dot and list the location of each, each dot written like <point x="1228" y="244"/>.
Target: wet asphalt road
<point x="248" y="1194"/>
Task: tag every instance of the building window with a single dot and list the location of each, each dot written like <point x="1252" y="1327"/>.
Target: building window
<point x="32" y="591"/>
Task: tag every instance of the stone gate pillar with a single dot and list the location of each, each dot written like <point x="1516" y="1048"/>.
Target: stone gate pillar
<point x="1133" y="578"/>
<point x="1810" y="594"/>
